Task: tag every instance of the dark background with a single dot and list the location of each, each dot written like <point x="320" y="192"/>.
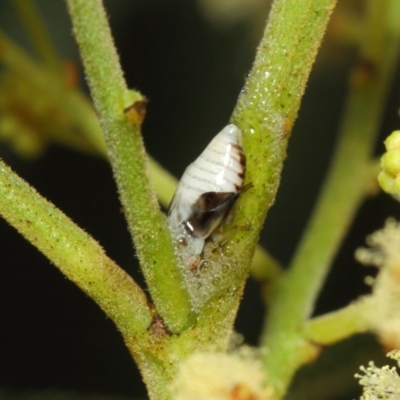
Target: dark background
<point x="191" y="68"/>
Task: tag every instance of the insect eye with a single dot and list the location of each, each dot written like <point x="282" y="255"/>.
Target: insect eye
<point x="182" y="241"/>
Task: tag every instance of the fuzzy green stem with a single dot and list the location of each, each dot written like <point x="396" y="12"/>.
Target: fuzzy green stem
<point x="37" y="33"/>
<point x="342" y="193"/>
<point x="74" y="252"/>
<point x="269" y="102"/>
<point x="128" y="159"/>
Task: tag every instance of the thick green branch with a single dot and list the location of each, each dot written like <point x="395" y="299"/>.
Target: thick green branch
<point x="74" y="252"/>
<point x="268" y="105"/>
<point x="128" y="159"/>
<point x="269" y="102"/>
<point x="343" y="191"/>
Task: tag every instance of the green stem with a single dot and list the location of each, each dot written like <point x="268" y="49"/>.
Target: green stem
<point x="37" y="33"/>
<point x="268" y="105"/>
<point x="264" y="267"/>
<point x="269" y="102"/>
<point x="146" y="223"/>
<point x="338" y="325"/>
<point x="342" y="193"/>
<point x="74" y="252"/>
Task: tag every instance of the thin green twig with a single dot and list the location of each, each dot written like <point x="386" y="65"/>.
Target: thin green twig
<point x="344" y="189"/>
<point x="264" y="267"/>
<point x="338" y="325"/>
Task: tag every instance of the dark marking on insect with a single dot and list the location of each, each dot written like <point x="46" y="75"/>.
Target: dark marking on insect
<point x="209" y="210"/>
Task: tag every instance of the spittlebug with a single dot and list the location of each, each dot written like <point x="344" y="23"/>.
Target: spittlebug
<point x="207" y="191"/>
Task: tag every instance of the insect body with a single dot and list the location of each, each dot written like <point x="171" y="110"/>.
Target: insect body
<point x="207" y="190"/>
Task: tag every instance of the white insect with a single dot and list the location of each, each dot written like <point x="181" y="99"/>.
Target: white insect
<point x="207" y="191"/>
